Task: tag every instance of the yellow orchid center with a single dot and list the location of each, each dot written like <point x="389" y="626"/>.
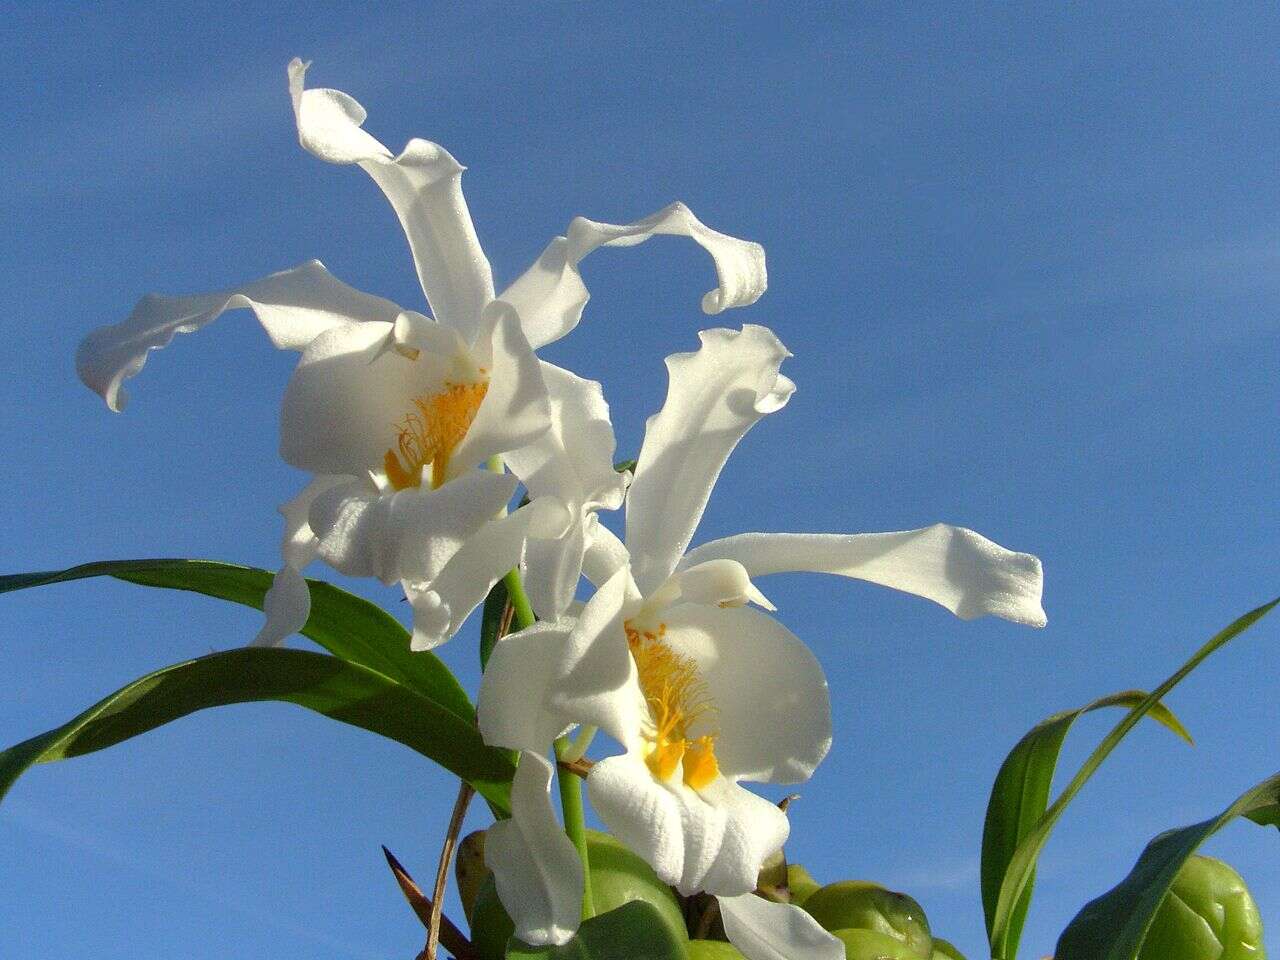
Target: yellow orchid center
<point x="431" y="432"/>
<point x="677" y="698"/>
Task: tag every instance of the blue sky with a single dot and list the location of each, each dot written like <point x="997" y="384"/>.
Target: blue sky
<point x="1028" y="261"/>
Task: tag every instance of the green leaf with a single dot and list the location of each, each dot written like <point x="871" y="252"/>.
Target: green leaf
<point x="348" y="626"/>
<point x="634" y="931"/>
<point x="336" y="688"/>
<point x="1022" y="864"/>
<point x="1021" y="793"/>
<point x="491" y="621"/>
<point x="1113" y="926"/>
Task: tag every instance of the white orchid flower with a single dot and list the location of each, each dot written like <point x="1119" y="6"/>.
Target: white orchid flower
<point x="392" y="410"/>
<point x="701" y="691"/>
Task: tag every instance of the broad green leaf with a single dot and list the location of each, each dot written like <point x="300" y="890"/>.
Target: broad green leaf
<point x="336" y="688"/>
<point x="634" y="931"/>
<point x="1022" y="864"/>
<point x="1021" y="793"/>
<point x="1113" y="926"/>
<point x="348" y="626"/>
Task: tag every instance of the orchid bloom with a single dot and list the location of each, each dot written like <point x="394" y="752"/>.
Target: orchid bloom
<point x="392" y="411"/>
<point x="701" y="691"/>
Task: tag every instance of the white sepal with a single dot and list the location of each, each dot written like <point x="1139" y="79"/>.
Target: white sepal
<point x="763" y="930"/>
<point x="952" y="566"/>
<point x="535" y="866"/>
<point x="293" y="306"/>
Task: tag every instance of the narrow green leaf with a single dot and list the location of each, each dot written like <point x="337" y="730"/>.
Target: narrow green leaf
<point x="1021" y="793"/>
<point x="634" y="931"/>
<point x="1022" y="864"/>
<point x="1113" y="926"/>
<point x="336" y="688"/>
<point x="348" y="626"/>
<point x="491" y="621"/>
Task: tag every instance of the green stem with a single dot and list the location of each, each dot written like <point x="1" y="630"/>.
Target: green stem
<point x="575" y="826"/>
<point x="570" y="785"/>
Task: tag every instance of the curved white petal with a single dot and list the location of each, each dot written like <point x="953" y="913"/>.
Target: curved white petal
<point x="763" y="930"/>
<point x="596" y="682"/>
<point x="755" y="829"/>
<point x="350" y="393"/>
<point x="441" y="605"/>
<point x="952" y="566"/>
<point x="424" y="186"/>
<point x="605" y="555"/>
<point x="550" y="295"/>
<point x="299" y="544"/>
<point x="287" y="605"/>
<point x="515" y="410"/>
<point x="640" y="812"/>
<point x="408" y="535"/>
<point x="720" y="582"/>
<point x="772" y="708"/>
<point x="554" y="569"/>
<point x="535" y="866"/>
<point x="714" y="397"/>
<point x="293" y="306"/>
<point x="512" y="709"/>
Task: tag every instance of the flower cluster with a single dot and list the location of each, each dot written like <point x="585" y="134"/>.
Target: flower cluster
<point x="418" y="431"/>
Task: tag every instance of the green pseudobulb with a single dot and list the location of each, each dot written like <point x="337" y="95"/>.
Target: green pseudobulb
<point x="713" y="950"/>
<point x="618" y="876"/>
<point x="1208" y="914"/>
<point x="943" y="950"/>
<point x="801" y="884"/>
<point x="469" y="870"/>
<point x="859" y="905"/>
<point x="873" y="945"/>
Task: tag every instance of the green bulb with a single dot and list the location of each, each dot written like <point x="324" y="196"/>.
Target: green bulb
<point x="1207" y="914"/>
<point x="859" y="905"/>
<point x="873" y="945"/>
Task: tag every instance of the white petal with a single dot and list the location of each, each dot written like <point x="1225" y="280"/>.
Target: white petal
<point x="721" y="583"/>
<point x="485" y="558"/>
<point x="299" y="544"/>
<point x="640" y="812"/>
<point x="407" y="535"/>
<point x="772" y="708"/>
<point x="515" y="410"/>
<point x="287" y="606"/>
<point x="715" y="396"/>
<point x="550" y="295"/>
<point x="293" y="306"/>
<point x="554" y="569"/>
<point x="763" y="930"/>
<point x="573" y="460"/>
<point x="424" y="186"/>
<point x="349" y="394"/>
<point x="535" y="866"/>
<point x="597" y="683"/>
<point x="952" y="566"/>
<point x="605" y="555"/>
<point x="755" y="829"/>
<point x="512" y="709"/>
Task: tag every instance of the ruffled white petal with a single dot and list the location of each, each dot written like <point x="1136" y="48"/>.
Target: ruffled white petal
<point x="424" y="186"/>
<point x="349" y="394"/>
<point x="535" y="866"/>
<point x="713" y="841"/>
<point x="408" y="535"/>
<point x="640" y="812"/>
<point x="573" y="462"/>
<point x="293" y="306"/>
<point x="512" y="710"/>
<point x="441" y="606"/>
<point x="515" y="410"/>
<point x="772" y="707"/>
<point x="287" y="605"/>
<point x="952" y="566"/>
<point x="597" y="683"/>
<point x="763" y="930"/>
<point x="550" y="295"/>
<point x="714" y="397"/>
<point x="605" y="555"/>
